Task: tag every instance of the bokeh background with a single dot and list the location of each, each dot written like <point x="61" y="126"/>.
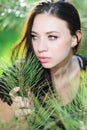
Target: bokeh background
<point x="12" y="17"/>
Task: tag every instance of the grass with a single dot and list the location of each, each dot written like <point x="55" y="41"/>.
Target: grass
<point x="48" y="115"/>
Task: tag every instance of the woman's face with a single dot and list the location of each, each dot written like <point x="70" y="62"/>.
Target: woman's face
<point x="51" y="40"/>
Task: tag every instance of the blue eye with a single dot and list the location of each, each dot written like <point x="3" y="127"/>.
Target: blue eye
<point x="52" y="37"/>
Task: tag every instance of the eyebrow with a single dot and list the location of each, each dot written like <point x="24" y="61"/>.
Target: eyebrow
<point x="33" y="32"/>
<point x="49" y="32"/>
<point x="52" y="32"/>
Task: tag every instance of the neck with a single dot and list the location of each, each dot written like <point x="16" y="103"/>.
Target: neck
<point x="62" y="68"/>
<point x="66" y="79"/>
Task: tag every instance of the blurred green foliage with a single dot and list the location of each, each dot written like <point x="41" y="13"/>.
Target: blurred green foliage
<point x="81" y="5"/>
<point x="13" y="15"/>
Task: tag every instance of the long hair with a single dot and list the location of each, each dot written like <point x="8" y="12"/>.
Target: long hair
<point x="60" y="9"/>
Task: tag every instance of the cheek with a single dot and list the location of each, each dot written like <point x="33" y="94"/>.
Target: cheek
<point x="61" y="49"/>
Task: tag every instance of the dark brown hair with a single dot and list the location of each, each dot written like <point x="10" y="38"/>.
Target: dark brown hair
<point x="63" y="10"/>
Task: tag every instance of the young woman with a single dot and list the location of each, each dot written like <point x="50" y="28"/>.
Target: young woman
<point x="53" y="33"/>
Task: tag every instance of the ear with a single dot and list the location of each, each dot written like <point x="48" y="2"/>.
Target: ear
<point x="76" y="38"/>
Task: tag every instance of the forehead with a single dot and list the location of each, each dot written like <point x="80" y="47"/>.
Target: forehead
<point x="49" y="22"/>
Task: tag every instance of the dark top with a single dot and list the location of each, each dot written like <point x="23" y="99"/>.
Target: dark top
<point x="82" y="62"/>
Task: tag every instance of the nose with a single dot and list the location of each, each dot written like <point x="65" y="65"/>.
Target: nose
<point x="42" y="46"/>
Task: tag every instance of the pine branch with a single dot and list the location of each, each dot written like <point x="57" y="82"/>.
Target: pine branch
<point x="25" y="74"/>
<point x="49" y="115"/>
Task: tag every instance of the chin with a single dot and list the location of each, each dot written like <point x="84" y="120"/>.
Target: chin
<point x="47" y="66"/>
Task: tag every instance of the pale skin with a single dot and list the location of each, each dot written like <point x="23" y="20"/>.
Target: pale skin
<point x="53" y="43"/>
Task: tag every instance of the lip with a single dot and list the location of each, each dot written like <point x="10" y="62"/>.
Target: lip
<point x="44" y="59"/>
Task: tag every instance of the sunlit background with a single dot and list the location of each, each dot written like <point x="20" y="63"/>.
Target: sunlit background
<point x="12" y="16"/>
